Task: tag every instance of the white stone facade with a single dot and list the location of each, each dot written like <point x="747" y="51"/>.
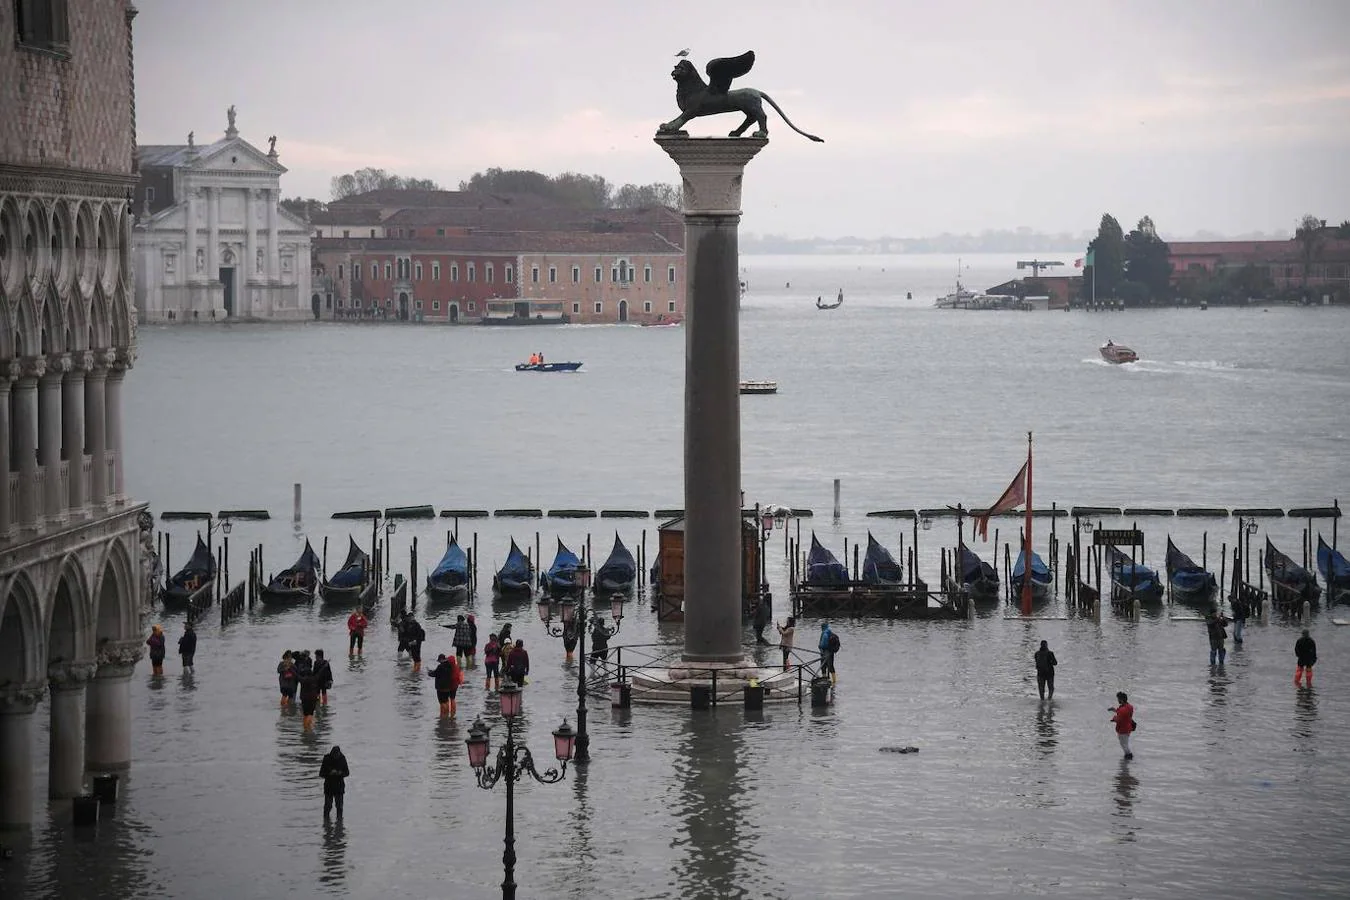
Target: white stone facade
<point x="224" y="249"/>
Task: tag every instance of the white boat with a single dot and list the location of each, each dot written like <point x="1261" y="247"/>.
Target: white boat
<point x="759" y="387"/>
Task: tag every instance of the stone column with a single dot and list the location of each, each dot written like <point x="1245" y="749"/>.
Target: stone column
<point x="190" y="264"/>
<point x="116" y="374"/>
<point x="244" y="295"/>
<point x="72" y="430"/>
<point x="95" y="420"/>
<point x="26" y="433"/>
<point x="49" y="436"/>
<point x="212" y="233"/>
<point x="16" y="753"/>
<point x="273" y="237"/>
<point x="65" y="773"/>
<point x="107" y="736"/>
<point x="7" y="376"/>
<point x="711" y="169"/>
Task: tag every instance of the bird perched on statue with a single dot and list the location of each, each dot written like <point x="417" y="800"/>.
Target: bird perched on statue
<point x="684" y="52"/>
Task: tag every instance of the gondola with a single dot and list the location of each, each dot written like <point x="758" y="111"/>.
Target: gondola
<point x="978" y="577"/>
<point x="561" y="577"/>
<point x="349" y="582"/>
<point x="199" y="572"/>
<point x="1190" y="584"/>
<point x="1335" y="568"/>
<point x="1131" y="580"/>
<point x="449" y="581"/>
<point x="617" y="573"/>
<point x="879" y="567"/>
<point x="823" y="569"/>
<point x="835" y="305"/>
<point x="1040" y="577"/>
<point x="515" y="576"/>
<point x="294" y="585"/>
<point x="1290" y="583"/>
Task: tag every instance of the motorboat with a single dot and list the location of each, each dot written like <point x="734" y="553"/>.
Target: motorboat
<point x="1118" y="353"/>
<point x="663" y="322"/>
<point x="759" y="387"/>
<point x="548" y="367"/>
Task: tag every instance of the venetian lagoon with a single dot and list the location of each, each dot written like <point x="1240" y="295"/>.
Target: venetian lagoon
<point x="1239" y="784"/>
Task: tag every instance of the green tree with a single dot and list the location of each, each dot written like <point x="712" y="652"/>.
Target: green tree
<point x="1148" y="261"/>
<point x="1108" y="259"/>
<point x="641" y="196"/>
<point x="305" y="207"/>
<point x="1310" y="235"/>
<point x="568" y="189"/>
<point x="368" y="179"/>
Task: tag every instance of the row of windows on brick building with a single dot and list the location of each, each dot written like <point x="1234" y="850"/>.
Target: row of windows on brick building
<point x="621" y="274"/>
<point x="470" y="306"/>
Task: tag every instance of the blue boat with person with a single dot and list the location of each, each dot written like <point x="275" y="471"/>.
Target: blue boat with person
<point x="1335" y="568"/>
<point x="1189" y="583"/>
<point x="199" y="572"/>
<point x="617" y="573"/>
<point x="1040" y="576"/>
<point x="822" y="568"/>
<point x="560" y="579"/>
<point x="1132" y="580"/>
<point x="349" y="582"/>
<point x="1290" y="583"/>
<point x="449" y="581"/>
<point x="516" y="576"/>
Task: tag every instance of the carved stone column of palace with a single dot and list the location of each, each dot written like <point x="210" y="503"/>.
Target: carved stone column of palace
<point x="107" y="736"/>
<point x="25" y="432"/>
<point x="95" y="419"/>
<point x="16" y="753"/>
<point x="712" y="169"/>
<point x="117" y="373"/>
<point x="49" y="436"/>
<point x="65" y="773"/>
<point x="7" y="512"/>
<point x="72" y="430"/>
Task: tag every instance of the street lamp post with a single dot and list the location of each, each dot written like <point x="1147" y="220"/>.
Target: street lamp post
<point x="576" y="619"/>
<point x="513" y="761"/>
<point x="223" y="526"/>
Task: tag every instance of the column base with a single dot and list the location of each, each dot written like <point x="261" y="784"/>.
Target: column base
<point x="65" y="772"/>
<point x="727" y="680"/>
<point x="16" y="754"/>
<point x="107" y="728"/>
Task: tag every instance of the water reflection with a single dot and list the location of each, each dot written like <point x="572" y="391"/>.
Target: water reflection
<point x="1305" y="718"/>
<point x="333" y="865"/>
<point x="719" y="857"/>
<point x="1047" y="735"/>
<point x="1127" y="787"/>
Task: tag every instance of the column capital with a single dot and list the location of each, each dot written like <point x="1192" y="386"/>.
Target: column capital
<point x="32" y="367"/>
<point x="69" y="676"/>
<point x="58" y="364"/>
<point x="10" y="370"/>
<point x="117" y="658"/>
<point x="711" y="169"/>
<point x="123" y="358"/>
<point x="21" y="698"/>
<point x="82" y="362"/>
<point x="100" y="360"/>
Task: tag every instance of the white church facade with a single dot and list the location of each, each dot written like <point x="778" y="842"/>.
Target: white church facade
<point x="212" y="242"/>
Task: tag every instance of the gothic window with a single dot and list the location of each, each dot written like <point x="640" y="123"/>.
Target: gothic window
<point x="42" y="24"/>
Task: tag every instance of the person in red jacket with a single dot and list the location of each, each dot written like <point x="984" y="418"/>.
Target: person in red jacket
<point x="1123" y="717"/>
<point x="356" y="632"/>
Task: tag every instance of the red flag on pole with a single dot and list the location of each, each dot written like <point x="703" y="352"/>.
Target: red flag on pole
<point x="1013" y="497"/>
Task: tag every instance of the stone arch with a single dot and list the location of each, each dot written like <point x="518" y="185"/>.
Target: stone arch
<point x="6" y="329"/>
<point x="52" y="336"/>
<point x="120" y="326"/>
<point x="98" y="320"/>
<point x="21" y="646"/>
<point x="77" y="323"/>
<point x="86" y="244"/>
<point x="68" y="614"/>
<point x="25" y="326"/>
<point x="11" y="246"/>
<point x="36" y="243"/>
<point x="106" y="248"/>
<point x="116" y="615"/>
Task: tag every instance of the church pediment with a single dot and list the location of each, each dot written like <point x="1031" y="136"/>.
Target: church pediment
<point x="236" y="155"/>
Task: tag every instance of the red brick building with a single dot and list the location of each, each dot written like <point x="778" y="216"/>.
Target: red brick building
<point x="1281" y="261"/>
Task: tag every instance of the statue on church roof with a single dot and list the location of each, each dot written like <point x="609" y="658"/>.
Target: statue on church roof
<point x="229" y="114"/>
<point x="272" y="145"/>
<point x="190" y="143"/>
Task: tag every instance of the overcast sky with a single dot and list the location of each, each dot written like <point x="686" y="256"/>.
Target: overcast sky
<point x="938" y="115"/>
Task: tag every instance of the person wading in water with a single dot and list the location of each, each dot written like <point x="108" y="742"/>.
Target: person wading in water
<point x="1123" y="717"/>
<point x="449" y="676"/>
<point x="1045" y="670"/>
<point x="334" y="772"/>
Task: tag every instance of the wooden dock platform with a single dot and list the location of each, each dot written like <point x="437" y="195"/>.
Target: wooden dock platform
<point x="861" y="601"/>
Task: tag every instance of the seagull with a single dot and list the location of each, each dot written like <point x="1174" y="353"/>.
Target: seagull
<point x="684" y="52"/>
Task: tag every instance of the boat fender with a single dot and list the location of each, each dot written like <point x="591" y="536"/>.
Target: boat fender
<point x="899" y="749"/>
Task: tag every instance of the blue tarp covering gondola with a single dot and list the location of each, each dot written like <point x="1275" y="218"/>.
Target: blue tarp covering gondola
<point x="979" y="577"/>
<point x="453" y="569"/>
<point x="1335" y="568"/>
<point x="1290" y="582"/>
<point x="1190" y="583"/>
<point x="822" y="568"/>
<point x="1133" y="578"/>
<point x="619" y="571"/>
<point x="353" y="571"/>
<point x="516" y="574"/>
<point x="200" y="569"/>
<point x="1040" y="575"/>
<point x="879" y="566"/>
<point x="560" y="578"/>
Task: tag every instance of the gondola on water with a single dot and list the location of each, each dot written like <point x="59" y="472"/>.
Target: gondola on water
<point x="1335" y="569"/>
<point x="823" y="569"/>
<point x="449" y="581"/>
<point x="560" y="580"/>
<point x="879" y="567"/>
<point x="1290" y="583"/>
<point x="199" y="572"/>
<point x="294" y="585"/>
<point x="1040" y="577"/>
<point x="1190" y="584"/>
<point x="617" y="573"/>
<point x="979" y="578"/>
<point x="349" y="582"/>
<point x="515" y="577"/>
<point x="1131" y="581"/>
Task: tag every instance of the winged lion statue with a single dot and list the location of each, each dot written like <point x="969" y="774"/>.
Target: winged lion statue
<point x="697" y="98"/>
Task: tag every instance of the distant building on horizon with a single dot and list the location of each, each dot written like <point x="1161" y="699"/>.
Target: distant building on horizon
<point x="1282" y="261"/>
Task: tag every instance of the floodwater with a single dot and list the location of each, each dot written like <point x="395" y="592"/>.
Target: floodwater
<point x="1239" y="784"/>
